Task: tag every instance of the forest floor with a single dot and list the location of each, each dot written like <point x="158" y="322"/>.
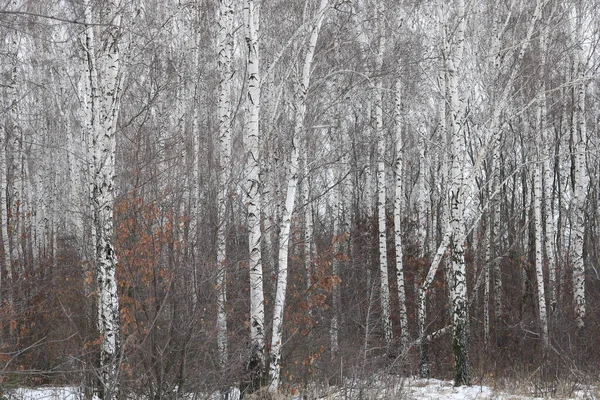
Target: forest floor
<point x="376" y="389"/>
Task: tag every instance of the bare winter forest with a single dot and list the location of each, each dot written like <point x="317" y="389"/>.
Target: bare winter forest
<point x="272" y="194"/>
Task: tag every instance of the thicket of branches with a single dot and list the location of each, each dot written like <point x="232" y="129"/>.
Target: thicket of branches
<point x="525" y="114"/>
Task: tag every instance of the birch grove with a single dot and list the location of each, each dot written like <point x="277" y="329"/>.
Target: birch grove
<point x="218" y="198"/>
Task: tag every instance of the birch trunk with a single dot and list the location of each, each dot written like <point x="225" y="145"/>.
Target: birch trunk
<point x="398" y="190"/>
<point x="225" y="55"/>
<point x="381" y="199"/>
<point x="579" y="132"/>
<point x="548" y="167"/>
<point x="539" y="235"/>
<point x="580" y="190"/>
<point x="458" y="194"/>
<point x="256" y="363"/>
<point x="4" y="207"/>
<point x="422" y="193"/>
<point x="105" y="77"/>
<point x="292" y="173"/>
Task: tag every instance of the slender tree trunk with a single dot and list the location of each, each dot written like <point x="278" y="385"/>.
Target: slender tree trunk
<point x="495" y="130"/>
<point x="225" y="55"/>
<point x="422" y="194"/>
<point x="547" y="145"/>
<point x="4" y="207"/>
<point x="105" y="77"/>
<point x="256" y="363"/>
<point x="381" y="198"/>
<point x="579" y="132"/>
<point x="292" y="174"/>
<point x="398" y="194"/>
<point x="458" y="189"/>
<point x="539" y="241"/>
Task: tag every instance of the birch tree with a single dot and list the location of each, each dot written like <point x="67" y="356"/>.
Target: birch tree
<point x="290" y="197"/>
<point x="256" y="362"/>
<point x="381" y="192"/>
<point x="453" y="52"/>
<point x="398" y="189"/>
<point x="539" y="240"/>
<point x="579" y="132"/>
<point x="548" y="167"/>
<point x="225" y="54"/>
<point x="105" y="75"/>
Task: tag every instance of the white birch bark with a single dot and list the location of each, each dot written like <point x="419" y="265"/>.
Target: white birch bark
<point x="458" y="194"/>
<point x="539" y="240"/>
<point x="256" y="364"/>
<point x="580" y="186"/>
<point x="292" y="174"/>
<point x="104" y="103"/>
<point x="422" y="193"/>
<point x="196" y="164"/>
<point x="548" y="167"/>
<point x="398" y="193"/>
<point x="4" y="207"/>
<point x="381" y="197"/>
<point x="225" y="55"/>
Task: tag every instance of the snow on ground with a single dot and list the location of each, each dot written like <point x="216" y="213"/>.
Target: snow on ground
<point x="45" y="393"/>
<point x="378" y="388"/>
<point x="435" y="389"/>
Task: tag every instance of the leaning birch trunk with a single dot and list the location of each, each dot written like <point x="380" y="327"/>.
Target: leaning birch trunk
<point x="424" y="287"/>
<point x="103" y="110"/>
<point x="292" y="174"/>
<point x="381" y="197"/>
<point x="458" y="189"/>
<point x="225" y="55"/>
<point x="404" y="337"/>
<point x="256" y="362"/>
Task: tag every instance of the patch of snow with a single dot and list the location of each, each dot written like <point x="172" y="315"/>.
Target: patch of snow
<point x="427" y="389"/>
<point x="47" y="393"/>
